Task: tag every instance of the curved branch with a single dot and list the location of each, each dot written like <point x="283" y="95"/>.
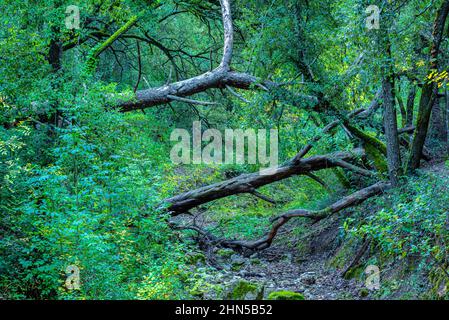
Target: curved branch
<point x="100" y="48"/>
<point x="246" y="183"/>
<point x="346" y="202"/>
<point x="219" y="78"/>
<point x="228" y="34"/>
<point x="216" y="79"/>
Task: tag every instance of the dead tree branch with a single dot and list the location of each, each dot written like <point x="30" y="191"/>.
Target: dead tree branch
<point x="264" y="242"/>
<point x="219" y="78"/>
<point x="344" y="203"/>
<point x="247" y="183"/>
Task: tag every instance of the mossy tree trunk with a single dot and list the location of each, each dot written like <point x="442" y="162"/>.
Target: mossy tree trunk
<point x="429" y="91"/>
<point x="390" y="119"/>
<point x="438" y="129"/>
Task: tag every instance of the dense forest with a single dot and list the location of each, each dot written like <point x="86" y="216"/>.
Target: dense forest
<point x="218" y="149"/>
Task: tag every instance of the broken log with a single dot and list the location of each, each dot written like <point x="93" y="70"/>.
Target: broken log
<point x="344" y="203"/>
<point x="247" y="183"/>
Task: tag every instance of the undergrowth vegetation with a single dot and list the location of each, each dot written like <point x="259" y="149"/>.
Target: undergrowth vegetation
<point x="86" y="121"/>
<point x="410" y="221"/>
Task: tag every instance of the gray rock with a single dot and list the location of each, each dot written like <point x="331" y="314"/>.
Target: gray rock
<point x="308" y="278"/>
<point x="237" y="260"/>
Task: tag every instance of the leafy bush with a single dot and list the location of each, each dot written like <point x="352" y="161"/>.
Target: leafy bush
<point x="413" y="222"/>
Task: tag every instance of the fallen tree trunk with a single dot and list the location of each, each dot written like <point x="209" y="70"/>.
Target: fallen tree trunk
<point x="346" y="202"/>
<point x="264" y="242"/>
<point x="247" y="183"/>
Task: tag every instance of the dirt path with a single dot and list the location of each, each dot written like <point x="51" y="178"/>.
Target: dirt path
<point x="278" y="269"/>
<point x="282" y="267"/>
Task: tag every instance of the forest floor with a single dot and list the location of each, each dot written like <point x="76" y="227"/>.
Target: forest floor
<point x="305" y="265"/>
<point x="283" y="267"/>
<point x="312" y="278"/>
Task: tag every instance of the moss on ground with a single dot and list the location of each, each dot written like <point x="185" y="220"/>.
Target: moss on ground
<point x="285" y="295"/>
<point x="242" y="289"/>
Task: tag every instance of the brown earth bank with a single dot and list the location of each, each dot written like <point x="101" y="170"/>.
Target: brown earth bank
<point x="323" y="264"/>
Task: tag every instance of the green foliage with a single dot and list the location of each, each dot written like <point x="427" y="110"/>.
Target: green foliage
<point x="413" y="223"/>
<point x="90" y="208"/>
<point x="80" y="182"/>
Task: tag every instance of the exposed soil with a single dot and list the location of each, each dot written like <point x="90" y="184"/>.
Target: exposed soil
<point x="284" y="267"/>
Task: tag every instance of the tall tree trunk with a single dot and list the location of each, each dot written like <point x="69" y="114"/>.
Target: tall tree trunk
<point x="54" y="58"/>
<point x="444" y="114"/>
<point x="391" y="130"/>
<point x="301" y="43"/>
<point x="55" y="54"/>
<point x="410" y="106"/>
<point x="445" y="123"/>
<point x="438" y="129"/>
<point x="401" y="105"/>
<point x="429" y="91"/>
<point x="390" y="117"/>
